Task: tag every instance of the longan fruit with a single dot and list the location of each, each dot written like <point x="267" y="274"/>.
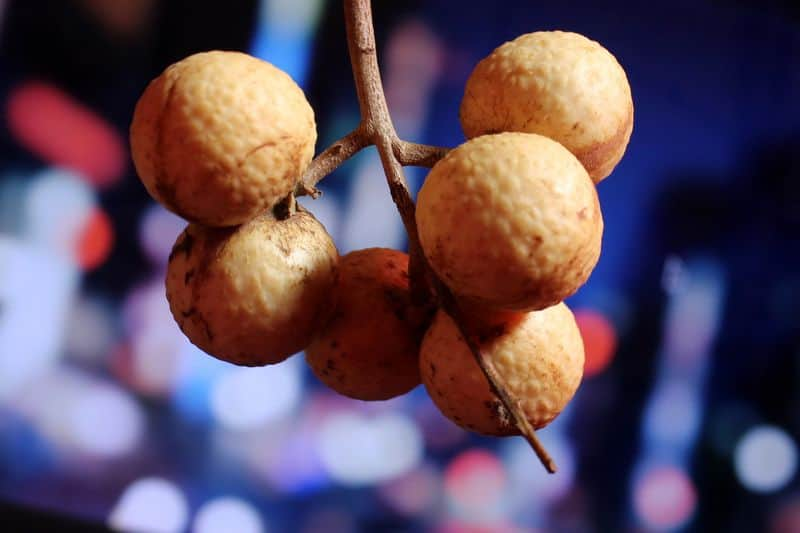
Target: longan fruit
<point x="254" y="294"/>
<point x="370" y="348"/>
<point x="219" y="137"/>
<point x="539" y="356"/>
<point x="510" y="221"/>
<point x="557" y="84"/>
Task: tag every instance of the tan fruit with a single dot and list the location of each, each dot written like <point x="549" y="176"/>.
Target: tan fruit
<point x="221" y="136"/>
<point x="510" y="221"/>
<point x="255" y="294"/>
<point x="370" y="348"/>
<point x="557" y="84"/>
<point x="539" y="356"/>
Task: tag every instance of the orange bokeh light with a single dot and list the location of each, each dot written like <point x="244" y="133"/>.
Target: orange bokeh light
<point x="599" y="340"/>
<point x="95" y="241"/>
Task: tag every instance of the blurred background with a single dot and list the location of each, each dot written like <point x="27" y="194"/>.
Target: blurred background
<point x="688" y="418"/>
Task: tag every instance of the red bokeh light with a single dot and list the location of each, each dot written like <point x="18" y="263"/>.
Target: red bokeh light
<point x="665" y="498"/>
<point x="599" y="340"/>
<point x="475" y="479"/>
<point x="95" y="240"/>
<point x="63" y="132"/>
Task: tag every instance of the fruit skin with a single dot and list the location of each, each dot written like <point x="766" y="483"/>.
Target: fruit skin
<point x="370" y="348"/>
<point x="557" y="84"/>
<point x="255" y="294"/>
<point x="219" y="137"/>
<point x="510" y="221"/>
<point x="539" y="356"/>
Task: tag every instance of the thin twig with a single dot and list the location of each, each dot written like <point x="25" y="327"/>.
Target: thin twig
<point x="329" y="160"/>
<point x="377" y="125"/>
<point x="417" y="155"/>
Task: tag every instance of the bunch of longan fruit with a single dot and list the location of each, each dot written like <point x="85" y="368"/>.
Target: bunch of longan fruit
<point x="509" y="221"/>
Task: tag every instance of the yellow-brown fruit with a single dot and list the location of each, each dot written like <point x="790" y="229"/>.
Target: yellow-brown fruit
<point x="539" y="356"/>
<point x="221" y="136"/>
<point x="557" y="84"/>
<point x="510" y="221"/>
<point x="370" y="348"/>
<point x="255" y="294"/>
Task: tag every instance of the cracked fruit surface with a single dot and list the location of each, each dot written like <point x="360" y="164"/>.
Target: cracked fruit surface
<point x="254" y="294"/>
<point x="557" y="84"/>
<point x="219" y="137"/>
<point x="510" y="221"/>
<point x="539" y="356"/>
<point x="370" y="348"/>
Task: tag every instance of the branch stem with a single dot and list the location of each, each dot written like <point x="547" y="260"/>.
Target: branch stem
<point x="377" y="127"/>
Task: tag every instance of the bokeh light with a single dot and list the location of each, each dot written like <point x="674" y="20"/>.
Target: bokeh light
<point x="245" y="398"/>
<point x="228" y="514"/>
<point x="529" y="487"/>
<point x="63" y="132"/>
<point x="95" y="240"/>
<point x="765" y="459"/>
<point x="475" y="484"/>
<point x="664" y="498"/>
<point x="417" y="492"/>
<point x="786" y="516"/>
<point x="105" y="421"/>
<point x="158" y="231"/>
<point x="36" y="288"/>
<point x="57" y="208"/>
<point x="599" y="340"/>
<point x="150" y="504"/>
<point x="357" y="451"/>
<point x="90" y="330"/>
<point x="673" y="413"/>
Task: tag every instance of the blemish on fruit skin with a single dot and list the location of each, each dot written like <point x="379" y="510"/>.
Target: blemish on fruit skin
<point x="184" y="246"/>
<point x="582" y="214"/>
<point x="188" y="276"/>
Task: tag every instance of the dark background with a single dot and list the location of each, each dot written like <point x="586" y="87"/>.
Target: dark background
<point x="688" y="417"/>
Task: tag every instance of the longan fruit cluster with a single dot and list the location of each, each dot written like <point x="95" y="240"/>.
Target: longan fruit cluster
<point x="509" y="221"/>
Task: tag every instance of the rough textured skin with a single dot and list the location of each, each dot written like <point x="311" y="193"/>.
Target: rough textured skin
<point x="255" y="294"/>
<point x="221" y="136"/>
<point x="370" y="348"/>
<point x="510" y="221"/>
<point x="539" y="355"/>
<point x="557" y="84"/>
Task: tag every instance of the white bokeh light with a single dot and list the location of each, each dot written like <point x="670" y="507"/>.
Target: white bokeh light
<point x="56" y="209"/>
<point x="158" y="230"/>
<point x="228" y="514"/>
<point x="151" y="505"/>
<point x="105" y="421"/>
<point x="36" y="289"/>
<point x="361" y="451"/>
<point x="246" y="398"/>
<point x="673" y="413"/>
<point x="765" y="459"/>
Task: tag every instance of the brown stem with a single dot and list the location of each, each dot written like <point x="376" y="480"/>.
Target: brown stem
<point x="377" y="126"/>
<point x="329" y="160"/>
<point x="418" y="155"/>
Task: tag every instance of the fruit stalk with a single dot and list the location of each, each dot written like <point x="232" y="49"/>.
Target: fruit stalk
<point x="377" y="128"/>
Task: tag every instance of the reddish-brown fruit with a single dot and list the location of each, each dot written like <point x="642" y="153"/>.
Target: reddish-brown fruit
<point x="369" y="350"/>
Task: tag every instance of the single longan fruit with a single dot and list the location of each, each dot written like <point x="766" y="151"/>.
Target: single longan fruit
<point x="220" y="137"/>
<point x="370" y="348"/>
<point x="510" y="221"/>
<point x="255" y="294"/>
<point x="539" y="355"/>
<point x="557" y="84"/>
